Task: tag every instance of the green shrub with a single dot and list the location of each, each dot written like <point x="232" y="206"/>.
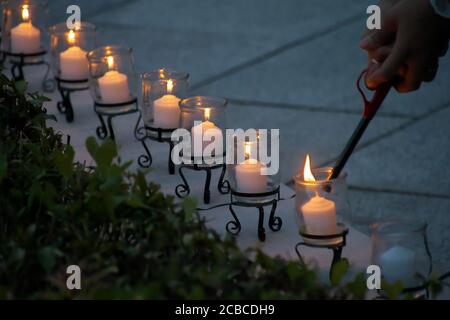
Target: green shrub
<point x="130" y="240"/>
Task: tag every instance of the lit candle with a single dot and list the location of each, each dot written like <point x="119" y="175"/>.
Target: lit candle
<point x="25" y="38"/>
<point x="166" y="112"/>
<point x="114" y="85"/>
<point x="397" y="263"/>
<point x="319" y="214"/>
<point x="248" y="174"/>
<point x="200" y="130"/>
<point x="74" y="63"/>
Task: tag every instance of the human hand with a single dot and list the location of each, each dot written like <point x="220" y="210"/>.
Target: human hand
<point x="408" y="46"/>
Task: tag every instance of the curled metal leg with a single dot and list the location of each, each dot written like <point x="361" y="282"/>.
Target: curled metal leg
<point x="223" y="185"/>
<point x="110" y="128"/>
<point x="297" y="250"/>
<point x="102" y="131"/>
<point x="182" y="190"/>
<point x="207" y="192"/>
<point x="65" y="106"/>
<point x="233" y="226"/>
<point x="171" y="164"/>
<point x="145" y="160"/>
<point x="17" y="72"/>
<point x="275" y="223"/>
<point x="261" y="230"/>
<point x="139" y="132"/>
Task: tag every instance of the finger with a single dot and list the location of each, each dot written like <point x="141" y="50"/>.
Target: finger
<point x="390" y="67"/>
<point x="378" y="38"/>
<point x="416" y="70"/>
<point x="380" y="54"/>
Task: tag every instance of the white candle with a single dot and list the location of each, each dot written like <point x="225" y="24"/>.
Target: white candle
<point x="319" y="215"/>
<point x="114" y="85"/>
<point x="74" y="64"/>
<point x="25" y="38"/>
<point x="249" y="177"/>
<point x="166" y="112"/>
<point x="73" y="61"/>
<point x="199" y="131"/>
<point x="397" y="263"/>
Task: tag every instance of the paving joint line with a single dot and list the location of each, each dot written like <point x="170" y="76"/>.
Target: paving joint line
<point x="399" y="192"/>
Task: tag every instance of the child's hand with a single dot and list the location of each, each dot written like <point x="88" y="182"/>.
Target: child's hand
<point x="409" y="44"/>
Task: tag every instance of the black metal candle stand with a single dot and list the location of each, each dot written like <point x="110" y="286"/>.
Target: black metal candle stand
<point x="20" y="60"/>
<point x="250" y="200"/>
<point x="223" y="186"/>
<point x="335" y="242"/>
<point x="109" y="111"/>
<point x="65" y="88"/>
<point x="156" y="134"/>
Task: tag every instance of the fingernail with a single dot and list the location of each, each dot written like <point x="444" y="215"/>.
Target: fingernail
<point x="364" y="43"/>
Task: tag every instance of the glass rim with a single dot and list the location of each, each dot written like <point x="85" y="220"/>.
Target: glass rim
<point x="155" y="75"/>
<point x="319" y="182"/>
<point x="202" y="103"/>
<point x="396" y="227"/>
<point x="61" y="27"/>
<point x="100" y="53"/>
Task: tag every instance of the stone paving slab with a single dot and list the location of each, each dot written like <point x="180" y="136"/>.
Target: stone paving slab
<point x="415" y="159"/>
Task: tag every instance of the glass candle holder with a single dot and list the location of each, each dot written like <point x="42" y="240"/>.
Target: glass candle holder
<point x="251" y="179"/>
<point x="319" y="204"/>
<point x="24" y="28"/>
<point x="113" y="80"/>
<point x="400" y="249"/>
<point x="205" y="119"/>
<point x="69" y="50"/>
<point x="162" y="90"/>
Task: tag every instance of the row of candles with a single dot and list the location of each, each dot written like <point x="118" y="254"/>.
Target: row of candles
<point x="316" y="207"/>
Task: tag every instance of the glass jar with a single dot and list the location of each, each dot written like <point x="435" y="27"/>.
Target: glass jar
<point x="320" y="203"/>
<point x="69" y="50"/>
<point x="24" y="27"/>
<point x="162" y="90"/>
<point x="205" y="120"/>
<point x="400" y="249"/>
<point x="252" y="175"/>
<point x="113" y="80"/>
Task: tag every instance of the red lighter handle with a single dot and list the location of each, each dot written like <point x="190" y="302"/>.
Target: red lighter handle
<point x="371" y="106"/>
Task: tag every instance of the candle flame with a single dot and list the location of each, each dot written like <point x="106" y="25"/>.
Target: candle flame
<point x="110" y="60"/>
<point x="169" y="86"/>
<point x="307" y="173"/>
<point x="25" y="12"/>
<point x="207" y="113"/>
<point x="247" y="149"/>
<point x="71" y="37"/>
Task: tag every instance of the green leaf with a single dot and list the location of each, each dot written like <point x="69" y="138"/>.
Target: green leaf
<point x="189" y="207"/>
<point x="48" y="256"/>
<point x="339" y="270"/>
<point x="21" y="86"/>
<point x="103" y="154"/>
<point x="64" y="161"/>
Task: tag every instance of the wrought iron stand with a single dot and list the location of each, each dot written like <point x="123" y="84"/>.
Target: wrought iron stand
<point x="251" y="200"/>
<point x="156" y="134"/>
<point x="183" y="189"/>
<point x="335" y="242"/>
<point x="65" y="88"/>
<point x="20" y="60"/>
<point x="110" y="111"/>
